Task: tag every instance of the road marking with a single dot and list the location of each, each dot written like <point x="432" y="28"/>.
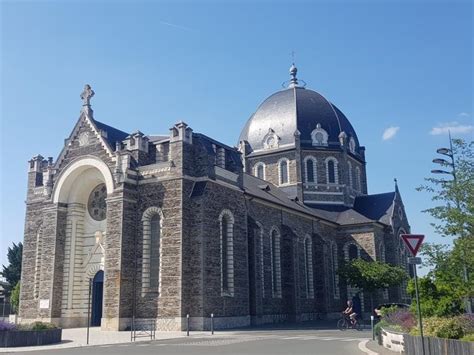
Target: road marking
<point x="363" y="347"/>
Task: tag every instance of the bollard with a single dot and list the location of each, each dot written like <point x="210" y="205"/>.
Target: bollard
<point x="372" y="326"/>
<point x="187" y="324"/>
<point x="212" y="323"/>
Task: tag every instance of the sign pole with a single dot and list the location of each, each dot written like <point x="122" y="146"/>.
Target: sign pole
<point x="419" y="308"/>
<point x="413" y="243"/>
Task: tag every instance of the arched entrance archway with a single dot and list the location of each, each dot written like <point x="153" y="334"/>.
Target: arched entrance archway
<point x="97" y="297"/>
<point x="82" y="188"/>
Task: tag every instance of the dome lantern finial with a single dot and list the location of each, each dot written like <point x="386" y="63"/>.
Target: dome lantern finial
<point x="293" y="80"/>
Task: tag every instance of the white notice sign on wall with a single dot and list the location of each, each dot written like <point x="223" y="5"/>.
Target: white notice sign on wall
<point x="44" y="304"/>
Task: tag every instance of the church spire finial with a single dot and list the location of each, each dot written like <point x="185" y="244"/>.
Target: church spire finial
<point x="293" y="80"/>
<point x="396" y="183"/>
<point x="86" y="95"/>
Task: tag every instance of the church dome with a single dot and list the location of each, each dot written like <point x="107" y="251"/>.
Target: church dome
<point x="297" y="109"/>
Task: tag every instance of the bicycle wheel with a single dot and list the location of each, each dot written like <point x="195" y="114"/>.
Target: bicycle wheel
<point x="359" y="326"/>
<point x="342" y="324"/>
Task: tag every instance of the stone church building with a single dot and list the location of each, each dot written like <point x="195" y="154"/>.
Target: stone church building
<point x="159" y="227"/>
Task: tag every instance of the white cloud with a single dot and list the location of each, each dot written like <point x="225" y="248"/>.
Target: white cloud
<point x="464" y="114"/>
<point x="453" y="127"/>
<point x="390" y="132"/>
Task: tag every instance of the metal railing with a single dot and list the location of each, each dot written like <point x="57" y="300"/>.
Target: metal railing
<point x="141" y="328"/>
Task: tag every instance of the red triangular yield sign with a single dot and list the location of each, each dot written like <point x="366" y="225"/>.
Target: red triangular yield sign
<point x="413" y="242"/>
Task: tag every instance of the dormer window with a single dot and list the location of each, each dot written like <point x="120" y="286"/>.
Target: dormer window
<point x="319" y="136"/>
<point x="352" y="145"/>
<point x="271" y="140"/>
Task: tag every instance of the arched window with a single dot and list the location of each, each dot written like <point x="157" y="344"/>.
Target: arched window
<point x="260" y="170"/>
<point x="352" y="145"/>
<point x="283" y="171"/>
<point x="331" y="171"/>
<point x="226" y="220"/>
<point x="276" y="266"/>
<point x="260" y="243"/>
<point x="308" y="256"/>
<point x="155" y="235"/>
<point x="335" y="267"/>
<point x="358" y="183"/>
<point x="352" y="252"/>
<point x="351" y="183"/>
<point x="310" y="169"/>
<point x="151" y="265"/>
<point x="39" y="253"/>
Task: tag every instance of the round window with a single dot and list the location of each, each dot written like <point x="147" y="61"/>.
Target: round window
<point x="319" y="138"/>
<point x="97" y="206"/>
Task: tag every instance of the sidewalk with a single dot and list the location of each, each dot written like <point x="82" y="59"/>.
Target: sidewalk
<point x="77" y="337"/>
<point x="379" y="349"/>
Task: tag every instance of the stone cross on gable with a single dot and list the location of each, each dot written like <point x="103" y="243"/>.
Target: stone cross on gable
<point x="87" y="95"/>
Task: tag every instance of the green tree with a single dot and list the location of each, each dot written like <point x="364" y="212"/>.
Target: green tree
<point x="447" y="266"/>
<point x="12" y="272"/>
<point x="371" y="276"/>
<point x="454" y="198"/>
<point x="15" y="297"/>
<point x="436" y="298"/>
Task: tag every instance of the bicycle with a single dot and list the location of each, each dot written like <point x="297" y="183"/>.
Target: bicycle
<point x="345" y="323"/>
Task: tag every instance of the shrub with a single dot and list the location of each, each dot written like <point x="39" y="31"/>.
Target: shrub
<point x="37" y="326"/>
<point x="384" y="311"/>
<point x="6" y="326"/>
<point x="467" y="321"/>
<point x="401" y="318"/>
<point x="469" y="337"/>
<point x="450" y="328"/>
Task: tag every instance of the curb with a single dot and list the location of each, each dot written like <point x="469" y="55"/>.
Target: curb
<point x="363" y="347"/>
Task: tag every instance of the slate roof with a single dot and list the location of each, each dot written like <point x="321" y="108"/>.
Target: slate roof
<point x="296" y="108"/>
<point x="377" y="207"/>
<point x="113" y="134"/>
<point x="262" y="189"/>
<point x="367" y="209"/>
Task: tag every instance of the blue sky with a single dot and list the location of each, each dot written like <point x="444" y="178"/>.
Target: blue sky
<point x="404" y="66"/>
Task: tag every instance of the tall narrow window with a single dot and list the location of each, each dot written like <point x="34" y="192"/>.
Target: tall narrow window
<point x="283" y="167"/>
<point x="352" y="252"/>
<point x="276" y="266"/>
<point x="227" y="252"/>
<point x="331" y="171"/>
<point x="155" y="232"/>
<point x="151" y="269"/>
<point x="260" y="170"/>
<point x="308" y="253"/>
<point x="310" y="169"/>
<point x="260" y="242"/>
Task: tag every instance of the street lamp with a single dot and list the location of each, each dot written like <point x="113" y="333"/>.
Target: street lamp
<point x="449" y="153"/>
<point x="436" y="171"/>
